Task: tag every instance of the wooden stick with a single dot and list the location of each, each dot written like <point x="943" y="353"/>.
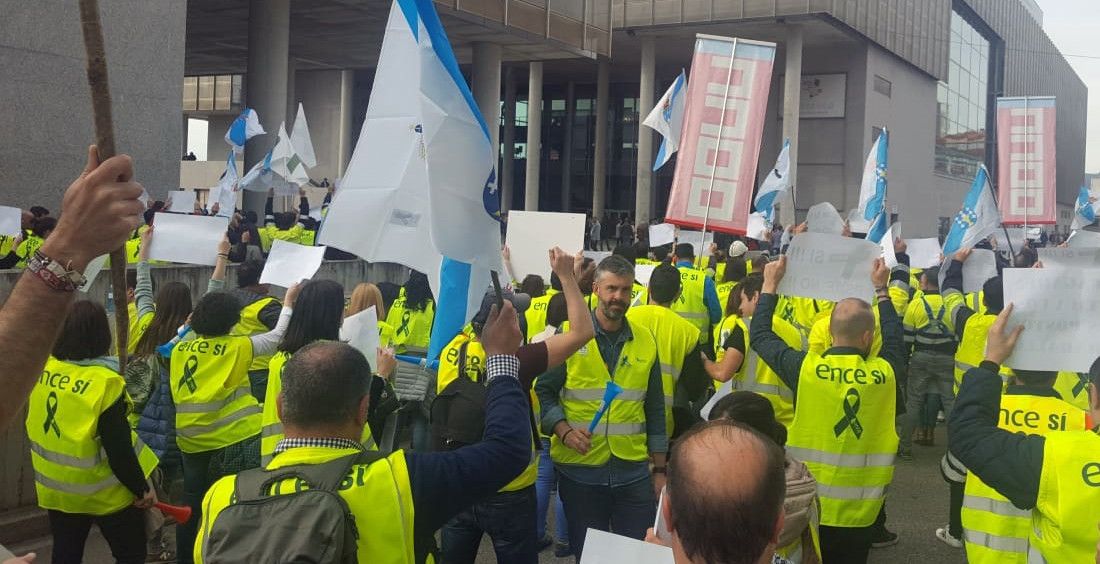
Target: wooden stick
<point x="105" y="145"/>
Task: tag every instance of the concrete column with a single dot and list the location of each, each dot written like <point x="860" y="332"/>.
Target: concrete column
<point x="291" y="93"/>
<point x="485" y="82"/>
<point x="534" y="135"/>
<point x="346" y="142"/>
<point x="643" y="192"/>
<point x="508" y="139"/>
<point x="266" y="90"/>
<point x="599" y="160"/>
<point x="792" y="98"/>
<point x="567" y="147"/>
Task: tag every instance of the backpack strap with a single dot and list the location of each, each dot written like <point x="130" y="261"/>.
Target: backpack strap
<point x="253" y="484"/>
<point x="937" y="319"/>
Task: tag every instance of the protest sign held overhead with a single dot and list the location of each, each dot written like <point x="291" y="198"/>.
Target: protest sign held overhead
<point x="531" y="234"/>
<point x="1058" y="310"/>
<point x="829" y="267"/>
<point x="188" y="239"/>
<point x="290" y="263"/>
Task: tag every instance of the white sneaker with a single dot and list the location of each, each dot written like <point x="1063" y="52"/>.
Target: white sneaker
<point x="944" y="535"/>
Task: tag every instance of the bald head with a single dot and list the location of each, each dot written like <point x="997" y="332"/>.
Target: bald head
<point x="726" y="486"/>
<point x="853" y="324"/>
<point x="324" y="385"/>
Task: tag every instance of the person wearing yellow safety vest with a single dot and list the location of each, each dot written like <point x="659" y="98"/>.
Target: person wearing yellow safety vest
<point x="284" y="225"/>
<point x="734" y="272"/>
<point x="930" y="334"/>
<point x="89" y="466"/>
<point x="215" y="408"/>
<point x="412" y="315"/>
<point x="318" y="316"/>
<point x="41" y="229"/>
<point x="259" y="314"/>
<point x="995" y="530"/>
<point x="736" y="360"/>
<point x="845" y="405"/>
<point x="971" y="326"/>
<point x="682" y="374"/>
<point x="604" y="474"/>
<point x="698" y="301"/>
<point x="398" y="501"/>
<point x="1056" y="476"/>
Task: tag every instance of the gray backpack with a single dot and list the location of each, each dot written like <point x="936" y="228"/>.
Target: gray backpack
<point x="311" y="524"/>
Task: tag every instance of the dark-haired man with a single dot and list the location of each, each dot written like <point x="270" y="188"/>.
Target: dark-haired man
<point x="1056" y="476"/>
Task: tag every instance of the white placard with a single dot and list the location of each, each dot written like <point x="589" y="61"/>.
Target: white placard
<point x="180" y="201"/>
<point x="361" y="331"/>
<point x="11" y="220"/>
<point x="1063" y="258"/>
<point x="1015" y="236"/>
<point x="823" y="218"/>
<point x="980" y="266"/>
<point x="924" y="253"/>
<point x="758" y="228"/>
<point x="188" y="239"/>
<point x="856" y="222"/>
<point x="661" y="234"/>
<point x="226" y="200"/>
<point x="95" y="266"/>
<point x="597" y="256"/>
<point x="532" y="234"/>
<point x="604" y="548"/>
<point x="829" y="267"/>
<point x="725" y="389"/>
<point x="887" y="245"/>
<point x="290" y="263"/>
<point x="642" y="272"/>
<point x="694" y="238"/>
<point x="1082" y="239"/>
<point x="1058" y="311"/>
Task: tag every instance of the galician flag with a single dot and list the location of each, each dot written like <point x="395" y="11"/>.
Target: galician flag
<point x="245" y="127"/>
<point x="667" y="118"/>
<point x="1087" y="208"/>
<point x="775" y="185"/>
<point x="282" y="169"/>
<point x="872" y="192"/>
<point x="977" y="219"/>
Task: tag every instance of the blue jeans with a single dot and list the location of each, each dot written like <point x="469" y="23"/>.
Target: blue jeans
<point x="624" y="510"/>
<point x="196" y="480"/>
<point x="509" y="520"/>
<point x="546" y="482"/>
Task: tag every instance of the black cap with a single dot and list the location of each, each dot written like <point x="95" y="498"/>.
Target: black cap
<point x="519" y="301"/>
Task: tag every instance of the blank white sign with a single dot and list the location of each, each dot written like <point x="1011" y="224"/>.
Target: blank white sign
<point x="661" y="234"/>
<point x="181" y="201"/>
<point x="361" y="331"/>
<point x="606" y="548"/>
<point x="531" y="235"/>
<point x="290" y="263"/>
<point x="1058" y="311"/>
<point x="188" y="239"/>
<point x="823" y="218"/>
<point x="924" y="253"/>
<point x="829" y="267"/>
<point x="1062" y="258"/>
<point x="11" y="220"/>
<point x="1081" y="239"/>
<point x="980" y="266"/>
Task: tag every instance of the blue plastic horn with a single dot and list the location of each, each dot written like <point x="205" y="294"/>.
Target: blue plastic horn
<point x="610" y="393"/>
<point x="165" y="350"/>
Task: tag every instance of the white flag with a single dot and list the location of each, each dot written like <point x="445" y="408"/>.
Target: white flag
<point x="775" y="185"/>
<point x="299" y="138"/>
<point x="667" y="118"/>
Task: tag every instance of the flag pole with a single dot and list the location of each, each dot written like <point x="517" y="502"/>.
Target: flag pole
<point x="718" y="145"/>
<point x="1027" y="165"/>
<point x="1003" y="227"/>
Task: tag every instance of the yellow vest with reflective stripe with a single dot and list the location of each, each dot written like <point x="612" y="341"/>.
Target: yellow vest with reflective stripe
<point x="378" y="495"/>
<point x="803" y="313"/>
<point x="757" y="376"/>
<point x="250" y="325"/>
<point x="412" y="328"/>
<point x="474" y="369"/>
<point x="675" y="338"/>
<point x="1063" y="525"/>
<point x="214" y="403"/>
<point x="723" y="289"/>
<point x="71" y="472"/>
<point x="821" y="336"/>
<point x="1074" y="388"/>
<point x="971" y="350"/>
<point x="137" y="329"/>
<point x="272" y="431"/>
<point x="536" y="314"/>
<point x="269" y="233"/>
<point x="385" y="334"/>
<point x="639" y="294"/>
<point x="622" y="430"/>
<point x="691" y="305"/>
<point x="997" y="531"/>
<point x="843" y="430"/>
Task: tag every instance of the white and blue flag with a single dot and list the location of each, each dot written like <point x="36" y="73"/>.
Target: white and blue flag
<point x="977" y="219"/>
<point x="1086" y="210"/>
<point x="872" y="191"/>
<point x="245" y="127"/>
<point x="667" y="118"/>
<point x="775" y="185"/>
<point x="421" y="189"/>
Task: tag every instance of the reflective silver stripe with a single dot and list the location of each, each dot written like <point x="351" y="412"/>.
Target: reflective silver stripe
<point x="670" y="370"/>
<point x="1034" y="556"/>
<point x="612" y="428"/>
<point x="963" y="366"/>
<point x="693" y="315"/>
<point x="995" y="542"/>
<point x="770" y="389"/>
<point x="630" y="395"/>
<point x="995" y="506"/>
<point x="196" y="430"/>
<point x="938" y="340"/>
<point x="370" y="444"/>
<point x="273" y="429"/>
<point x="841" y="460"/>
<point x="668" y="401"/>
<point x="854" y="493"/>
<point x="64" y="459"/>
<point x="212" y="406"/>
<point x="77" y="489"/>
<point x="596" y="394"/>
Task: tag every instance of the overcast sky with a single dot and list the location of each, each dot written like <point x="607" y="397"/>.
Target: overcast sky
<point x="1073" y="26"/>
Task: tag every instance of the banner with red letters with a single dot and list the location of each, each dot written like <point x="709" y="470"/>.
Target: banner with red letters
<point x="720" y="143"/>
<point x="1026" y="171"/>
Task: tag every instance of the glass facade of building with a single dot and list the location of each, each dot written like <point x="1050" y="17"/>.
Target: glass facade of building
<point x="962" y="102"/>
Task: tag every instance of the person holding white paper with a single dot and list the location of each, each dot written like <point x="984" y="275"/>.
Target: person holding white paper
<point x="367" y="295"/>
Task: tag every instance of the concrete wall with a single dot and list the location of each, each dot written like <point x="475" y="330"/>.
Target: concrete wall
<point x="46" y="115"/>
<point x="319" y="93"/>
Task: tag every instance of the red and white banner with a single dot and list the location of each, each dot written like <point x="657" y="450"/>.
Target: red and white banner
<point x="1026" y="172"/>
<point x="720" y="143"/>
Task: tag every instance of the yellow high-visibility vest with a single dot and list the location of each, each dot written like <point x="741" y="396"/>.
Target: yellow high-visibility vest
<point x="378" y="495"/>
<point x="250" y="325"/>
<point x="137" y="329"/>
<point x="27" y="249"/>
<point x="1074" y="388"/>
<point x="71" y="471"/>
<point x="691" y="304"/>
<point x="210" y="387"/>
<point x="536" y="314"/>
<point x="1063" y="524"/>
<point x="843" y="430"/>
<point x="675" y="338"/>
<point x="412" y="328"/>
<point x="971" y="350"/>
<point x="997" y="531"/>
<point x="622" y="430"/>
<point x="724" y="289"/>
<point x="755" y="375"/>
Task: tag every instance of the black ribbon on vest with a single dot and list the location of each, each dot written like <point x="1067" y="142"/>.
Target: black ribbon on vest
<point x="1082" y="381"/>
<point x="403" y="329"/>
<point x="851" y="409"/>
<point x="51" y="415"/>
<point x="189" y="369"/>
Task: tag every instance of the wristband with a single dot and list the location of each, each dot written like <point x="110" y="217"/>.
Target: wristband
<point x="56" y="276"/>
